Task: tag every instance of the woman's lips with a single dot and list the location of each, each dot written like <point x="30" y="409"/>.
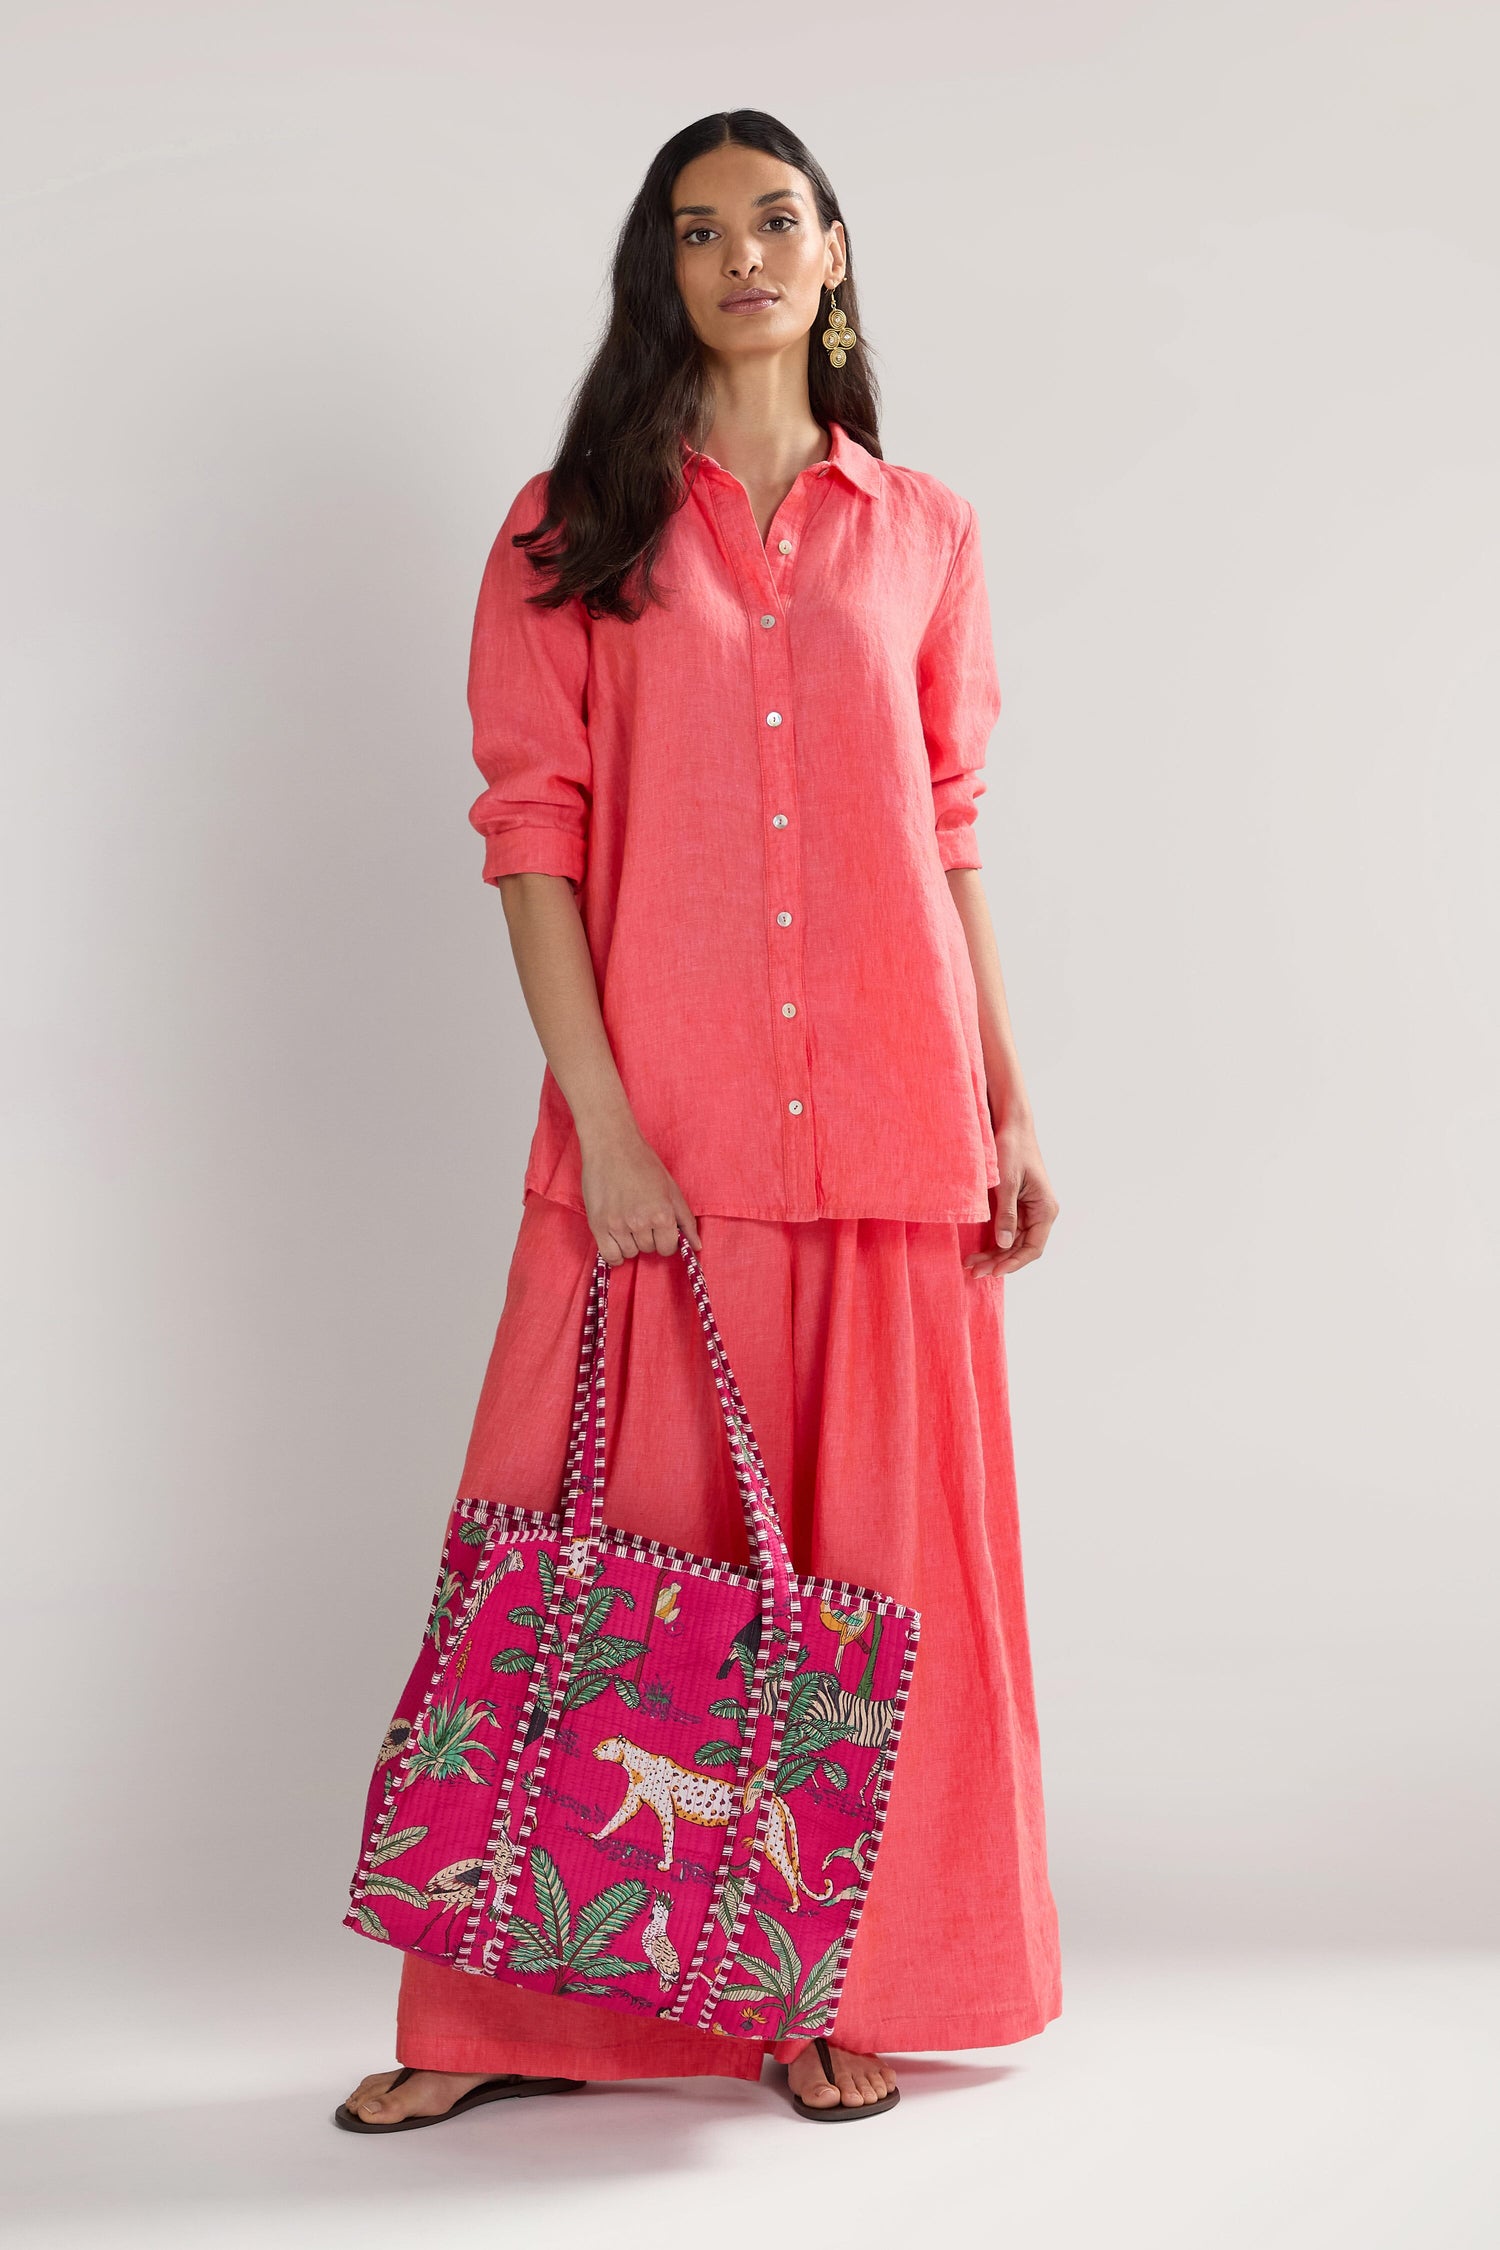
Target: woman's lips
<point x="750" y="300"/>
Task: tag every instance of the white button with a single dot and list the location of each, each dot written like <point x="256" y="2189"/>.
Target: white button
<point x="773" y="718"/>
<point x="778" y="820"/>
<point x="785" y="920"/>
<point x="785" y="547"/>
<point x="768" y="621"/>
<point x="788" y="1008"/>
<point x="795" y="1108"/>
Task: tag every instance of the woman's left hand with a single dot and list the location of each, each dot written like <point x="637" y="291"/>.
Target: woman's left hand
<point x="1023" y="1206"/>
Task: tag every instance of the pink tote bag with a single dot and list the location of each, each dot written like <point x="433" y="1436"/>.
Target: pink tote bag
<point x="633" y="1776"/>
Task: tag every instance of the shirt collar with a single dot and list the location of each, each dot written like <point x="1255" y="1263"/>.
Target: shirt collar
<point x="846" y="457"/>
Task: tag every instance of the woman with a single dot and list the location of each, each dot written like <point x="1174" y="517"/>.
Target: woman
<point x="732" y="683"/>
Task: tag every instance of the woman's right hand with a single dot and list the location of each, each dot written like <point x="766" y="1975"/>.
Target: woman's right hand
<point x="633" y="1202"/>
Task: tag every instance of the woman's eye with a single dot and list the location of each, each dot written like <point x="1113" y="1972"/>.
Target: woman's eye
<point x="780" y="221"/>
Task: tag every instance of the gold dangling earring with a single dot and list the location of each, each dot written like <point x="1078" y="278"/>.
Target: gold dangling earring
<point x="839" y="338"/>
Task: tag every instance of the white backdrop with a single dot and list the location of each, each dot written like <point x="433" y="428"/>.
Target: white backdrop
<point x="1198" y="303"/>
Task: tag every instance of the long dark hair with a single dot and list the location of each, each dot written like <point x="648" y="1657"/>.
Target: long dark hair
<point x="618" y="475"/>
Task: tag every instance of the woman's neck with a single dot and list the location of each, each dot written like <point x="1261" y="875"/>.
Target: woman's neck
<point x="763" y="430"/>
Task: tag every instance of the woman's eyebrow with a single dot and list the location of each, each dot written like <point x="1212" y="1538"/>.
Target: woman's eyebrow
<point x="711" y="210"/>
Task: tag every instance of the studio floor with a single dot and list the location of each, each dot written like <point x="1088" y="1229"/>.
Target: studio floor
<point x="1322" y="2102"/>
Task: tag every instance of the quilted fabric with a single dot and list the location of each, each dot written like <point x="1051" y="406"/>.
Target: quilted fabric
<point x="628" y="1775"/>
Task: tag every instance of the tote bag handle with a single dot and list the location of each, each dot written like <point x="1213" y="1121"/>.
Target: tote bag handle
<point x="582" y="1507"/>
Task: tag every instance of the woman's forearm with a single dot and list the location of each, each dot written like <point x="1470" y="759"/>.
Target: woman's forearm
<point x="556" y="971"/>
<point x="1009" y="1102"/>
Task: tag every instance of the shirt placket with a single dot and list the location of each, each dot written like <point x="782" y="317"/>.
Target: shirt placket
<point x="766" y="581"/>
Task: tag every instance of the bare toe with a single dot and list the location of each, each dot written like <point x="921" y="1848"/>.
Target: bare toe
<point x="858" y="2079"/>
<point x="426" y="2093"/>
<point x="365" y="2101"/>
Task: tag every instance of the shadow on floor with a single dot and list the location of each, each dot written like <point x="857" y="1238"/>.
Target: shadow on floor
<point x="91" y="2165"/>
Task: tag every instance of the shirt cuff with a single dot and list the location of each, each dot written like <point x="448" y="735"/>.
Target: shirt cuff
<point x="533" y="851"/>
<point x="957" y="847"/>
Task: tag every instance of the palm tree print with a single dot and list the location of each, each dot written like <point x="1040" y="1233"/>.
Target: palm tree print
<point x="727" y="1912"/>
<point x="743" y="1651"/>
<point x="445" y="1742"/>
<point x="442" y="1607"/>
<point x="452" y="1590"/>
<point x="806" y="1739"/>
<point x="376" y="1885"/>
<point x="599" y="1658"/>
<point x="575" y="1951"/>
<point x="799" y="2000"/>
<point x="450" y="1892"/>
<point x="861" y="1853"/>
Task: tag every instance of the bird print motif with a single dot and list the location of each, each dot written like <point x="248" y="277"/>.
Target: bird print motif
<point x="743" y="1649"/>
<point x="847" y="1624"/>
<point x="657" y="1946"/>
<point x="397" y="1736"/>
<point x="452" y="1891"/>
<point x="573" y="1561"/>
<point x="666" y="1610"/>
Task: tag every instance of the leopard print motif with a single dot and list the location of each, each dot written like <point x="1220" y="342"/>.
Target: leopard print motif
<point x="667" y="1789"/>
<point x="781" y="1843"/>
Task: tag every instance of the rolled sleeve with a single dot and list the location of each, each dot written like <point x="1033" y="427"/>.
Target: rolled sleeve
<point x="959" y="697"/>
<point x="528" y="690"/>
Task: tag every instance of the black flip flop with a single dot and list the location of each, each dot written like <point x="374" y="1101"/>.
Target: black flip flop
<point x="506" y="2089"/>
<point x="840" y="2113"/>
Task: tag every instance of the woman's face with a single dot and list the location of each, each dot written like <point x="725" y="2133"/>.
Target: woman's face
<point x="752" y="258"/>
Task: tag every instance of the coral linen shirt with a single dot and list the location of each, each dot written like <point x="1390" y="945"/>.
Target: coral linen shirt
<point x="757" y="788"/>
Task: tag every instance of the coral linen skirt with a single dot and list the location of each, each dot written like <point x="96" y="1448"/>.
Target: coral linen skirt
<point x="873" y="1366"/>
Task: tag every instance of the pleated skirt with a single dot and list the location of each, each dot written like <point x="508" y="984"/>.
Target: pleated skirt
<point x="873" y="1367"/>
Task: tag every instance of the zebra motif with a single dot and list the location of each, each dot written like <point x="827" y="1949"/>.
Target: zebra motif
<point x="865" y="1721"/>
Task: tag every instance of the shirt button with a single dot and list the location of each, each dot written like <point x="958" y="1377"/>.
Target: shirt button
<point x="788" y="1008"/>
<point x="795" y="1108"/>
<point x="784" y="547"/>
<point x="768" y="622"/>
<point x="784" y="919"/>
<point x="778" y="820"/>
<point x="773" y="718"/>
